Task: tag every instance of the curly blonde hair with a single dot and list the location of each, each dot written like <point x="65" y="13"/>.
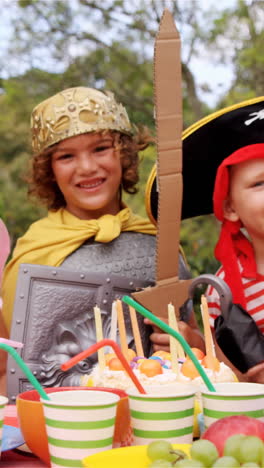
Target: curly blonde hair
<point x="43" y="186"/>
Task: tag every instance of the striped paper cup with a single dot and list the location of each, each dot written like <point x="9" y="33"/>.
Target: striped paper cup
<point x="78" y="424"/>
<point x="164" y="412"/>
<point x="3" y="403"/>
<point x="231" y="399"/>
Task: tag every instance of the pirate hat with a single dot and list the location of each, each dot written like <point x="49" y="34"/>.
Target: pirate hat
<point x="205" y="145"/>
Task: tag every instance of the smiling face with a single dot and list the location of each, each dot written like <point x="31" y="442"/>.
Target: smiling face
<point x="88" y="171"/>
<point x="246" y="196"/>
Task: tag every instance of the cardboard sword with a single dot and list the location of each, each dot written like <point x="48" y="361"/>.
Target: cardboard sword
<point x="168" y="119"/>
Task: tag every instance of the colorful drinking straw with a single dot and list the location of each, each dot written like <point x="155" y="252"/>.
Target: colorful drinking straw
<point x="167" y="329"/>
<point x="106" y="342"/>
<point x="14" y="344"/>
<point x="25" y="369"/>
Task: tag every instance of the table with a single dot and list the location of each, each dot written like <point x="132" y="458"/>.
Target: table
<point x="17" y="458"/>
<point x="13" y="459"/>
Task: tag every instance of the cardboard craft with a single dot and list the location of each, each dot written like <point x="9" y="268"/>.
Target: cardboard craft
<point x="168" y="108"/>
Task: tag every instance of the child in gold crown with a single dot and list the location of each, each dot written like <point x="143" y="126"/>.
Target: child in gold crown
<point x="84" y="154"/>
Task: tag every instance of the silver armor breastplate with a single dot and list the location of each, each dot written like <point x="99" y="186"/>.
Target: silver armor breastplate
<point x="132" y="254"/>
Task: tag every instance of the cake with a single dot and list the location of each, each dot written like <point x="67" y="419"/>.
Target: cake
<point x="155" y="370"/>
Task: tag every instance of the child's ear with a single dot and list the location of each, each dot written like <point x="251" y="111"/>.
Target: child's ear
<point x="229" y="212"/>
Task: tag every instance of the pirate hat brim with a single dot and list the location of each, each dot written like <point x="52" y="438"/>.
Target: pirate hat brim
<point x="205" y="145"/>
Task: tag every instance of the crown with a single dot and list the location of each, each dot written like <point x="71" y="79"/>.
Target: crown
<point x="75" y="111"/>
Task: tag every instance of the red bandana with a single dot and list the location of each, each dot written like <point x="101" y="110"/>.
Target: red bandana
<point x="232" y="242"/>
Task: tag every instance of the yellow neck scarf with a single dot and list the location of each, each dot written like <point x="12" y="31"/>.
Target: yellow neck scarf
<point x="50" y="240"/>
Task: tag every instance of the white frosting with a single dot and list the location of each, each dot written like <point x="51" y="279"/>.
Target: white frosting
<point x="225" y="374"/>
<point x="121" y="380"/>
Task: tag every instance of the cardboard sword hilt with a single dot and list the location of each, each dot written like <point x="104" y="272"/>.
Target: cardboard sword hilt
<point x="168" y="109"/>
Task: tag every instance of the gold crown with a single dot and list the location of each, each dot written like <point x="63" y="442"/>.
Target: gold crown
<point x="75" y="111"/>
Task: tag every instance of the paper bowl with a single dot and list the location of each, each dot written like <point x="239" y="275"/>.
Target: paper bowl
<point x="32" y="423"/>
<point x="128" y="457"/>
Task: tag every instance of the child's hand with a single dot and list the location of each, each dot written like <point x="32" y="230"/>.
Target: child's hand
<point x="256" y="373"/>
<point x="161" y="340"/>
<point x="192" y="335"/>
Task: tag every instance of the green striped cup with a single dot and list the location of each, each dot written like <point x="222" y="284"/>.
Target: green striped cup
<point x="78" y="424"/>
<point x="164" y="412"/>
<point x="3" y="403"/>
<point x="231" y="399"/>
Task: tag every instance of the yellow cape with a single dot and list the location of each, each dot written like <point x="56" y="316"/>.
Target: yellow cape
<point x="51" y="239"/>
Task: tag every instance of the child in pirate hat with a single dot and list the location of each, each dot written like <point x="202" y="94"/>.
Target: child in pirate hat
<point x="239" y="205"/>
<point x="223" y="172"/>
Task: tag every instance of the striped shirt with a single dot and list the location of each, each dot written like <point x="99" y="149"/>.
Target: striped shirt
<point x="254" y="294"/>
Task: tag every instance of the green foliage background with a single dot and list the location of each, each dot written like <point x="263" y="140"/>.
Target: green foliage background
<point x="58" y="44"/>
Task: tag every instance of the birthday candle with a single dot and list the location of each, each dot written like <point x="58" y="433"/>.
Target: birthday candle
<point x="137" y="337"/>
<point x="180" y="350"/>
<point x="210" y="352"/>
<point x="113" y="326"/>
<point x="173" y="342"/>
<point x="99" y="337"/>
<point x="122" y="328"/>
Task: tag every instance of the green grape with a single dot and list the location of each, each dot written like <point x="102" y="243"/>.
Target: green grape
<point x="251" y="450"/>
<point x="233" y="445"/>
<point x="204" y="451"/>
<point x="250" y="465"/>
<point x="160" y="449"/>
<point x="226" y="462"/>
<point x="262" y="460"/>
<point x="160" y="463"/>
<point x="187" y="463"/>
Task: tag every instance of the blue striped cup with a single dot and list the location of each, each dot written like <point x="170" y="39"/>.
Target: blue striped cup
<point x="231" y="399"/>
<point x="78" y="424"/>
<point x="3" y="403"/>
<point x="164" y="412"/>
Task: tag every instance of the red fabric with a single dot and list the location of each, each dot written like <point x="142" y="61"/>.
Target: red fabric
<point x="232" y="242"/>
<point x="14" y="459"/>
